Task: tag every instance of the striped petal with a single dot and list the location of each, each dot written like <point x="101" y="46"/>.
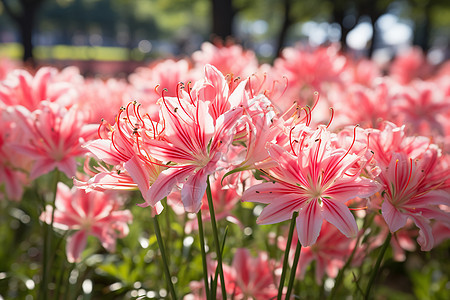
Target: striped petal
<point x="309" y="222"/>
<point x="340" y="216"/>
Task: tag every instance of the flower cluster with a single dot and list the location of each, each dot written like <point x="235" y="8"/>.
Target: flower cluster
<point x="262" y="134"/>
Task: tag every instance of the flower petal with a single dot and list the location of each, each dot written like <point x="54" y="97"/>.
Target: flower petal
<point x="425" y="238"/>
<point x="340" y="216"/>
<point x="394" y="219"/>
<point x="75" y="245"/>
<point x="345" y="189"/>
<point x="281" y="209"/>
<point x="165" y="182"/>
<point x="193" y="191"/>
<point x="265" y="192"/>
<point x="309" y="222"/>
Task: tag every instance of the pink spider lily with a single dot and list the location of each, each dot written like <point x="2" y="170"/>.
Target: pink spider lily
<point x="22" y="88"/>
<point x="424" y="107"/>
<point x="53" y="137"/>
<point x="166" y="73"/>
<point x="393" y="139"/>
<point x="14" y="166"/>
<point x="121" y="146"/>
<point x="224" y="58"/>
<point x="93" y="213"/>
<point x="330" y="252"/>
<point x="414" y="190"/>
<point x="402" y="241"/>
<point x="313" y="182"/>
<point x="192" y="146"/>
<point x="248" y="277"/>
<point x="220" y="94"/>
<point x="224" y="199"/>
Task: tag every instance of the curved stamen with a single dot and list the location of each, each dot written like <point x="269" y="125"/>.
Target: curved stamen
<point x="410" y="174"/>
<point x="331" y="119"/>
<point x="188" y="86"/>
<point x="290" y="140"/>
<point x="351" y="146"/>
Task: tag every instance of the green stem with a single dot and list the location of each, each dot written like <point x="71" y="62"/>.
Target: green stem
<point x="338" y="280"/>
<point x="216" y="237"/>
<point x="298" y="249"/>
<point x="377" y="265"/>
<point x="202" y="246"/>
<point x="164" y="257"/>
<point x="48" y="235"/>
<point x="286" y="255"/>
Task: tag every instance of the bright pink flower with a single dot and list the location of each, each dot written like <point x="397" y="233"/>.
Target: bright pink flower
<point x="247" y="278"/>
<point x="122" y="147"/>
<point x="330" y="252"/>
<point x="91" y="213"/>
<point x="366" y="106"/>
<point x="6" y="66"/>
<point x="53" y="137"/>
<point x="166" y="74"/>
<point x="218" y="92"/>
<point x="402" y="241"/>
<point x="423" y="107"/>
<point x="94" y="93"/>
<point x="310" y="68"/>
<point x="314" y="183"/>
<point x="224" y="199"/>
<point x="393" y="139"/>
<point x="22" y="88"/>
<point x="224" y="58"/>
<point x="193" y="143"/>
<point x="14" y="166"/>
<point x="362" y="72"/>
<point x="410" y="65"/>
<point x="414" y="190"/>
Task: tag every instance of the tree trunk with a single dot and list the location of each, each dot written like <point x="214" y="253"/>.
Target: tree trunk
<point x="24" y="20"/>
<point x="222" y="18"/>
<point x="423" y="29"/>
<point x="287" y="22"/>
<point x="26" y="32"/>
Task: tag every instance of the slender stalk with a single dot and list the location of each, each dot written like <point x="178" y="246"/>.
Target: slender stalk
<point x="298" y="249"/>
<point x="168" y="230"/>
<point x="48" y="236"/>
<point x="63" y="267"/>
<point x="377" y="265"/>
<point x="216" y="237"/>
<point x="286" y="255"/>
<point x="164" y="257"/>
<point x="337" y="283"/>
<point x="202" y="246"/>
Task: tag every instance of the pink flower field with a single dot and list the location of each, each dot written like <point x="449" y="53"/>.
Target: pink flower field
<point x="215" y="176"/>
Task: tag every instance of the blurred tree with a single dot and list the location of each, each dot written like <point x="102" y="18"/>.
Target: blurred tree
<point x="24" y="13"/>
<point x="285" y="24"/>
<point x="223" y="14"/>
<point x="347" y="13"/>
<point x="374" y="10"/>
<point x="428" y="15"/>
<point x="344" y="14"/>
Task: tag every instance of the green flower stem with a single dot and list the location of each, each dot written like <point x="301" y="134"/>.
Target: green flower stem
<point x="286" y="255"/>
<point x="164" y="257"/>
<point x="216" y="237"/>
<point x="47" y="260"/>
<point x="202" y="246"/>
<point x="298" y="249"/>
<point x="337" y="283"/>
<point x="377" y="265"/>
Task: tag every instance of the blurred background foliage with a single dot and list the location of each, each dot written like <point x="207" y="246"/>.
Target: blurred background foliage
<point x="126" y="30"/>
